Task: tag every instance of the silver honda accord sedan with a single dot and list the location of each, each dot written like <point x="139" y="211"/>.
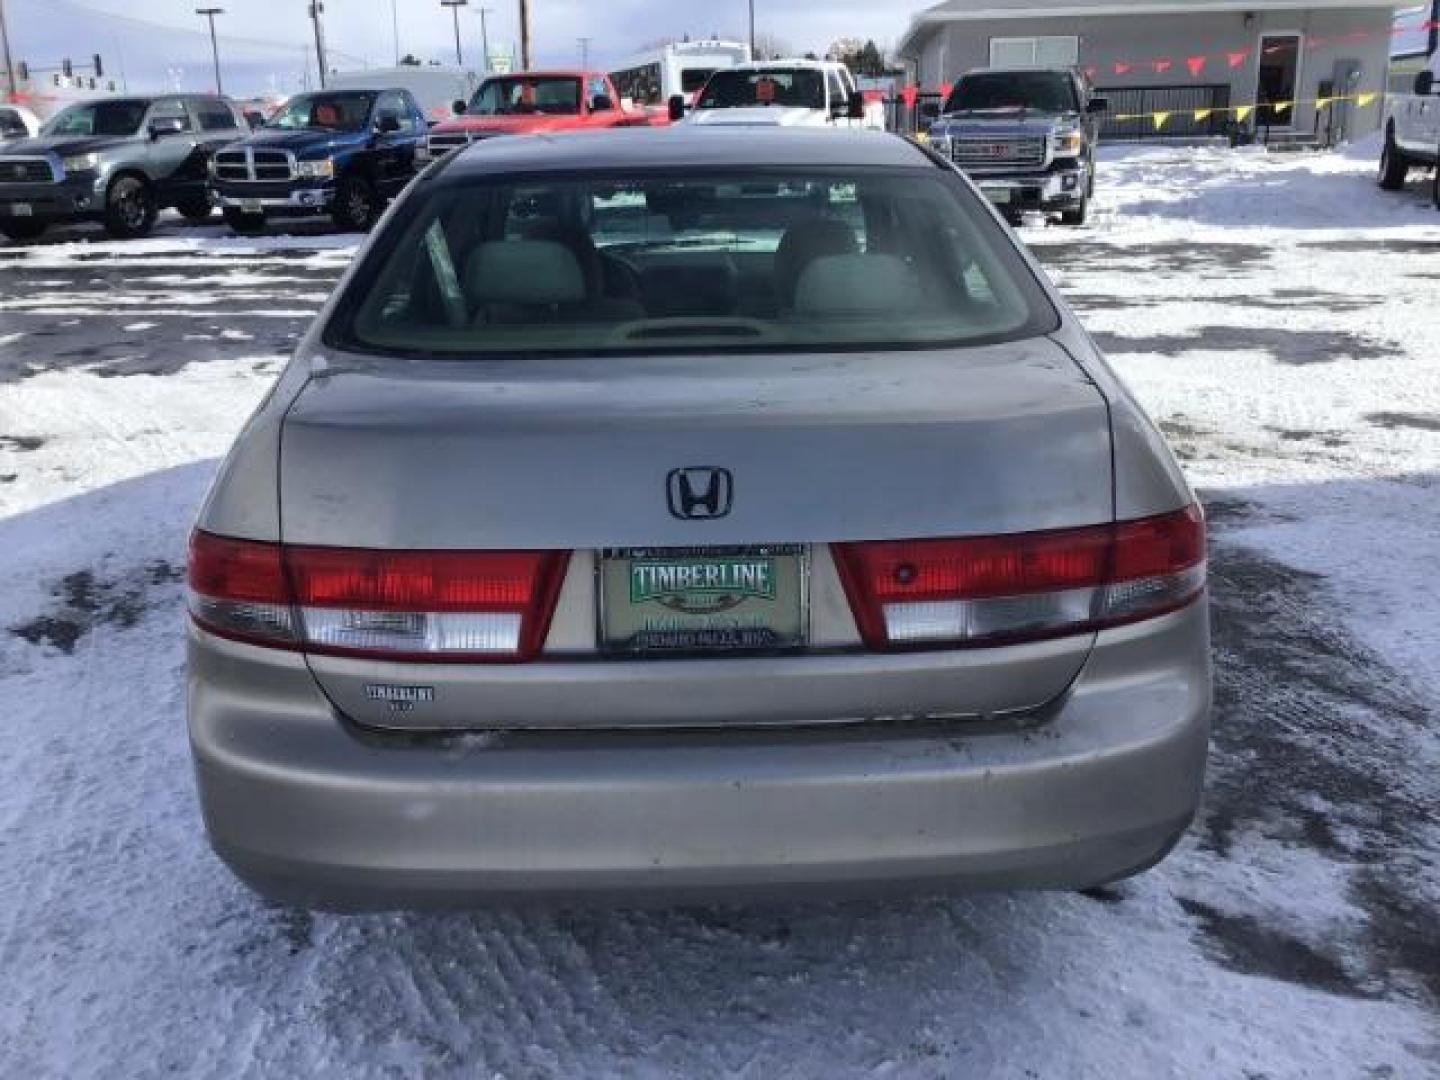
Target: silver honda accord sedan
<point x="692" y="514"/>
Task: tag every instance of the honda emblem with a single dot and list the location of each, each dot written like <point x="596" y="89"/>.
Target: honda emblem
<point x="699" y="493"/>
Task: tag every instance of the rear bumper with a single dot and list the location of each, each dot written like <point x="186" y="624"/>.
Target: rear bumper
<point x="310" y="811"/>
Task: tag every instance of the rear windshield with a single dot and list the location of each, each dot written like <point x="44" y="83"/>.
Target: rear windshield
<point x="624" y="264"/>
<point x="802" y="88"/>
<point x="1042" y="91"/>
<point x="517" y="96"/>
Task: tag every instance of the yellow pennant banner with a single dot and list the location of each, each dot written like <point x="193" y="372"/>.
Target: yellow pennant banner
<point x="1244" y="112"/>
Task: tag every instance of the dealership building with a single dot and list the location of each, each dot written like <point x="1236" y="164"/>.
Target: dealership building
<point x="1293" y="68"/>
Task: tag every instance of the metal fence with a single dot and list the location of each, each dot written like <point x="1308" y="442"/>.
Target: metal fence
<point x="1181" y="102"/>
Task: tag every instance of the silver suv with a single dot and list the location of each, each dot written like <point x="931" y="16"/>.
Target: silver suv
<point x="691" y="512"/>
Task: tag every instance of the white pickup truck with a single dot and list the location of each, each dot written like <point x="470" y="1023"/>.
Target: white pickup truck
<point x="1412" y="131"/>
<point x="781" y="93"/>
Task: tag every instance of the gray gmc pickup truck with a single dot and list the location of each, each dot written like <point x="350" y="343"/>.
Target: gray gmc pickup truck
<point x="1026" y="136"/>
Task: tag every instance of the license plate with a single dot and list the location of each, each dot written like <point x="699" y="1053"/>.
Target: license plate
<point x="704" y="600"/>
<point x="21" y="209"/>
<point x="999" y="195"/>
<point x="252" y="206"/>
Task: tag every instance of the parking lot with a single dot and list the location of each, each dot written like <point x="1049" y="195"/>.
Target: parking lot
<point x="1275" y="314"/>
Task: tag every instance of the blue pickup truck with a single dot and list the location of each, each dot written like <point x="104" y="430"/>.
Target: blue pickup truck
<point x="344" y="152"/>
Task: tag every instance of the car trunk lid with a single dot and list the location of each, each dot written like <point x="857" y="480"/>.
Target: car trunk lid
<point x="578" y="454"/>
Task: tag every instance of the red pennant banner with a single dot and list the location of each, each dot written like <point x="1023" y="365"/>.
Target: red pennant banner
<point x="1162" y="65"/>
<point x="1122" y="68"/>
<point x="909" y="95"/>
<point x="945" y="89"/>
<point x="1196" y="64"/>
<point x="1237" y="58"/>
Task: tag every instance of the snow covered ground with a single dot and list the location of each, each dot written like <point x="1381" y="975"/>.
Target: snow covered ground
<point x="1277" y="315"/>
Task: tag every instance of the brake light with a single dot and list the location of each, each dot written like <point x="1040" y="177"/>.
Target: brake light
<point x="400" y="605"/>
<point x="998" y="589"/>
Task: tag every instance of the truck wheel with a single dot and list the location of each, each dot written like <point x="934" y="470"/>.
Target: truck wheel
<point x="243" y="223"/>
<point x="1394" y="166"/>
<point x="23" y="230"/>
<point x="196" y="211"/>
<point x="1078" y="215"/>
<point x="130" y="208"/>
<point x="357" y="204"/>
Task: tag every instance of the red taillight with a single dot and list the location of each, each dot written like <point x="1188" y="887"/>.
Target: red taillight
<point x="238" y="590"/>
<point x="984" y="590"/>
<point x="402" y="605"/>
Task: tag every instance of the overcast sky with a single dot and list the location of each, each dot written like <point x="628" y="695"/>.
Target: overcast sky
<point x="161" y="43"/>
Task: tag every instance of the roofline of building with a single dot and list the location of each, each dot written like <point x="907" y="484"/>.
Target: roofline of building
<point x="941" y="13"/>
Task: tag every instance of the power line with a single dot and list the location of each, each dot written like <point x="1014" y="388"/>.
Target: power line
<point x="47" y="8"/>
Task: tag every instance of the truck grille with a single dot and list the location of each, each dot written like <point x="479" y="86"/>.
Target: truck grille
<point x="27" y="171"/>
<point x="254" y="166"/>
<point x="984" y="152"/>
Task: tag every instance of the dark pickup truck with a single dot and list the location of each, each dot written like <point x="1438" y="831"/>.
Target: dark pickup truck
<point x="119" y="161"/>
<point x="345" y="152"/>
<point x="1026" y="136"/>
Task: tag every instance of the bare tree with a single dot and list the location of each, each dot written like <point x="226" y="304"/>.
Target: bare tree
<point x="770" y="47"/>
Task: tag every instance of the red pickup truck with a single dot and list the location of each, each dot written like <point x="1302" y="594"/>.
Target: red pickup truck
<point x="529" y="102"/>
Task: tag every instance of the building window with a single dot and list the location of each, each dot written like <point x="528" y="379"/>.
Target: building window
<point x="1034" y="51"/>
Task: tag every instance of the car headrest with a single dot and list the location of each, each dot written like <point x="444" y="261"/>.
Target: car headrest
<point x="524" y="272"/>
<point x="804" y="243"/>
<point x="581" y="245"/>
<point x="327" y="115"/>
<point x="857" y="285"/>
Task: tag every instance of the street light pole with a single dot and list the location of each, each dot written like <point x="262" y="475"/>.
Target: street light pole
<point x="752" y="31"/>
<point x="524" y="35"/>
<point x="317" y="9"/>
<point x="455" y="6"/>
<point x="11" y="86"/>
<point x="395" y="28"/>
<point x="210" y="13"/>
<point x="584" y="53"/>
<point x="484" y="41"/>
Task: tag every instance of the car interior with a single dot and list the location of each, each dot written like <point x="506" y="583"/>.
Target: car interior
<point x="752" y="255"/>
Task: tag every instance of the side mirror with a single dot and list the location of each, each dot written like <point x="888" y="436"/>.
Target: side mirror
<point x="1098" y="105"/>
<point x="930" y="110"/>
<point x="855" y="105"/>
<point x="676" y="107"/>
<point x="458" y="107"/>
<point x="387" y="123"/>
<point x="166" y="125"/>
<point x="1425" y="83"/>
<point x="601" y="103"/>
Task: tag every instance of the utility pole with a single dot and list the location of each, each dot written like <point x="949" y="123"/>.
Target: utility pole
<point x="752" y="31"/>
<point x="11" y="86"/>
<point x="455" y="6"/>
<point x="524" y="35"/>
<point x="210" y="13"/>
<point x="484" y="41"/>
<point x="584" y="53"/>
<point x="395" y="27"/>
<point x="317" y="10"/>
